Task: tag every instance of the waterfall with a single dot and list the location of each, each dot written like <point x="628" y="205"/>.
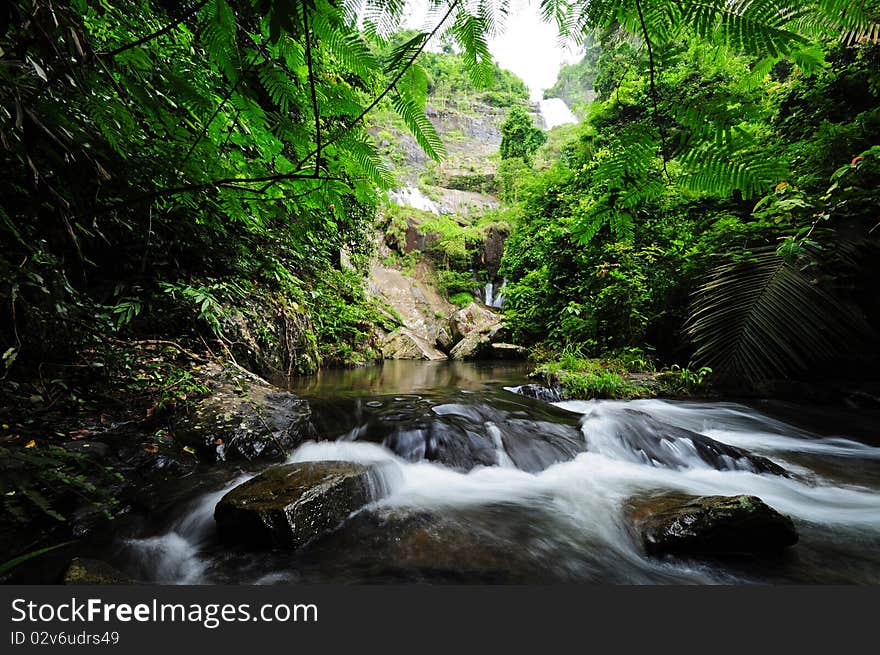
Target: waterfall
<point x="489" y="297"/>
<point x="555" y="112"/>
<point x="413" y="197"/>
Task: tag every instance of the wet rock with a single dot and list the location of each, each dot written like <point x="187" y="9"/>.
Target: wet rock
<point x="636" y="436"/>
<point x="243" y="417"/>
<point x="289" y="505"/>
<point x="85" y="571"/>
<point x="507" y="351"/>
<point x="710" y="525"/>
<point x="479" y="344"/>
<point x="271" y="335"/>
<point x="538" y="392"/>
<point x="403" y="343"/>
<point x="463" y="435"/>
<point x="487" y="544"/>
<point x="492" y="249"/>
<point x="534" y="445"/>
<point x="473" y="318"/>
<point x="443" y="339"/>
<point x="416" y="305"/>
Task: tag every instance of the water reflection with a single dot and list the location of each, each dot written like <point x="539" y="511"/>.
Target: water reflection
<point x="409" y="377"/>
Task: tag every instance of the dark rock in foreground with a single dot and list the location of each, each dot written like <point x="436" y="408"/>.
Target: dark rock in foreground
<point x="85" y="571"/>
<point x="245" y="418"/>
<point x="485" y="544"/>
<point x="289" y="505"/>
<point x="709" y="525"/>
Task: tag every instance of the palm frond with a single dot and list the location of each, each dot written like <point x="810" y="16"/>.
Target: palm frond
<point x="765" y="317"/>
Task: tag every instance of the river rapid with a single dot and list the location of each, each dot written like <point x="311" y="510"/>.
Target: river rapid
<point x="485" y="485"/>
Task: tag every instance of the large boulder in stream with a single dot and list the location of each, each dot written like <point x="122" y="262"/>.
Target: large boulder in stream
<point x="636" y="436"/>
<point x="489" y="544"/>
<point x="291" y="504"/>
<point x="403" y="343"/>
<point x="244" y="417"/>
<point x="709" y="525"/>
<point x="473" y="318"/>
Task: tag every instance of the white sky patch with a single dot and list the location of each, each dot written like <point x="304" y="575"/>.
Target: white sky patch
<point x="526" y="45"/>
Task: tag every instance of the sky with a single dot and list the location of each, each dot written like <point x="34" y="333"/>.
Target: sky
<point x="527" y="46"/>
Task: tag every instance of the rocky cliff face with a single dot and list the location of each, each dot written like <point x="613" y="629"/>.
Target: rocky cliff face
<point x="413" y="255"/>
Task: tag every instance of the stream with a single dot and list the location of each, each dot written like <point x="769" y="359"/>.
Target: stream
<point x="486" y="485"/>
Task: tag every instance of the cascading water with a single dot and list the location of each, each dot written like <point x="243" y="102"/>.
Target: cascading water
<point x="411" y="196"/>
<point x="555" y="112"/>
<point x="490" y="298"/>
<point x="174" y="556"/>
<point x="536" y="491"/>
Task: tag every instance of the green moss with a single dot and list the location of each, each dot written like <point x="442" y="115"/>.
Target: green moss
<point x="461" y="299"/>
<point x="626" y="374"/>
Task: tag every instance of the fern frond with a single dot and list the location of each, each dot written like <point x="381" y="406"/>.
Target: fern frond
<point x="346" y="46"/>
<point x="419" y="126"/>
<point x="218" y="36"/>
<point x="278" y="85"/>
<point x="414" y="84"/>
<point x="470" y="31"/>
<point x="723" y="170"/>
<point x="368" y="163"/>
<point x="403" y="54"/>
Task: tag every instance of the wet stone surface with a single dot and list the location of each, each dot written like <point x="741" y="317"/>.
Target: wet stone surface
<point x="290" y="504"/>
<point x="710" y="525"/>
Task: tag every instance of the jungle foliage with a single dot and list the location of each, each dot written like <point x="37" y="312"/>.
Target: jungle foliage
<point x="159" y="154"/>
<point x="699" y="212"/>
<point x="519" y="136"/>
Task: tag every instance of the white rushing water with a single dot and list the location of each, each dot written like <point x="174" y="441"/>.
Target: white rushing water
<point x="490" y="298"/>
<point x="555" y="112"/>
<point x="410" y="196"/>
<point x="582" y="500"/>
<point x="601" y="480"/>
<point x="174" y="557"/>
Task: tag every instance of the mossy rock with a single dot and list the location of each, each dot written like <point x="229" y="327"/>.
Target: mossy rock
<point x="243" y="418"/>
<point x="85" y="571"/>
<point x="709" y="525"/>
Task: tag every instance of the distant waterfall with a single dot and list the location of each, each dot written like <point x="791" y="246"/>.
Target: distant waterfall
<point x="489" y="297"/>
<point x="411" y="196"/>
<point x="555" y="112"/>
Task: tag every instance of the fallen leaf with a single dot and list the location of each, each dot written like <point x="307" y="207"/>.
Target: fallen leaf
<point x="30" y="444"/>
<point x="151" y="448"/>
<point x="189" y="449"/>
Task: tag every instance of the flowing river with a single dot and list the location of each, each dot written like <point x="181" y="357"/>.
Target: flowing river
<point x="485" y="485"/>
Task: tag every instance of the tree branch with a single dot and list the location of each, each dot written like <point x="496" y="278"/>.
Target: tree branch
<point x="653" y="87"/>
<point x="339" y="133"/>
<point x="156" y="34"/>
<point x="312" y="89"/>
